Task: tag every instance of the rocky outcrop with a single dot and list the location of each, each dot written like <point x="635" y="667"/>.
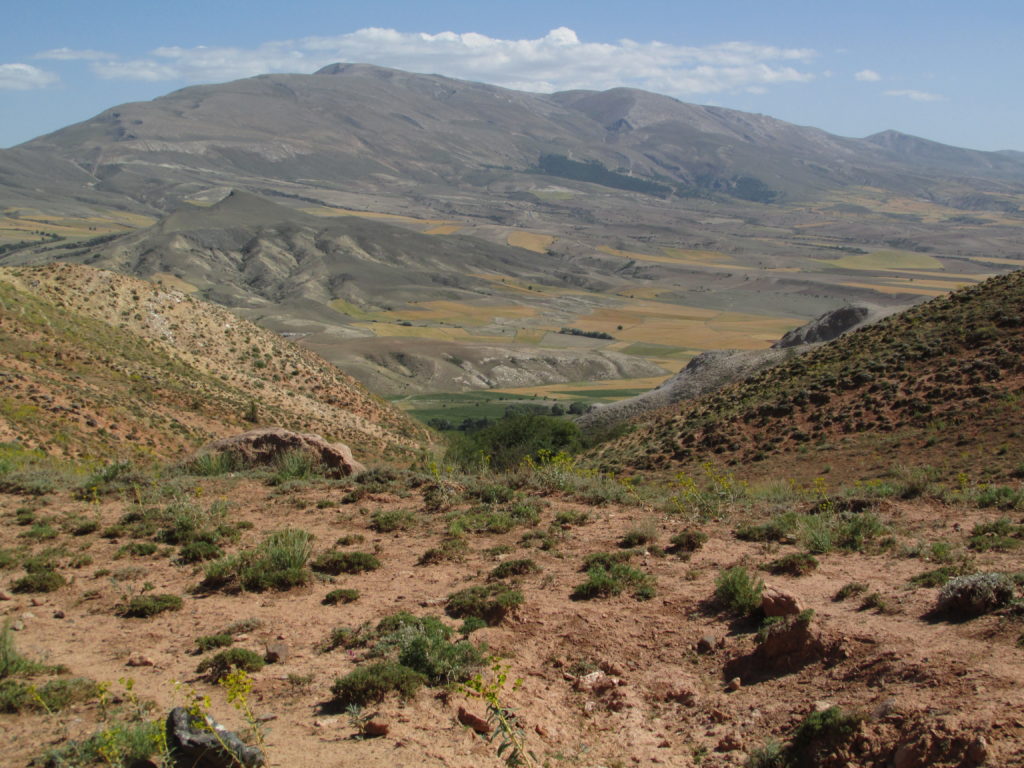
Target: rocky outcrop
<point x="265" y="446"/>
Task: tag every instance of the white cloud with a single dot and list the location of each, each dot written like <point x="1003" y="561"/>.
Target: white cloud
<point x="70" y="54"/>
<point x="557" y="61"/>
<point x="867" y="76"/>
<point x="24" y="77"/>
<point x="916" y="95"/>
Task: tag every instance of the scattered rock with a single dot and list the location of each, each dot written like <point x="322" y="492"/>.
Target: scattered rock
<point x="207" y="746"/>
<point x="477" y="723"/>
<point x="276" y="653"/>
<point x="139" y="660"/>
<point x="730" y="743"/>
<point x="775" y="602"/>
<point x="58" y="614"/>
<point x="977" y="752"/>
<point x="707" y="644"/>
<point x="5" y="595"/>
<point x="18" y="625"/>
<point x="376" y="727"/>
<point x="734" y="685"/>
<point x="264" y="446"/>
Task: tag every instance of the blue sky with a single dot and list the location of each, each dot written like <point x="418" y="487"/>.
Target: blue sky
<point x="948" y="71"/>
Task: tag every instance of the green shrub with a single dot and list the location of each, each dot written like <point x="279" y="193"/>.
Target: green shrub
<point x="976" y="594"/>
<point x="490" y="602"/>
<point x="349" y="539"/>
<point x="136" y="549"/>
<point x="339" y="596"/>
<point x="52" y="696"/>
<point x="386" y="521"/>
<point x="335" y="563"/>
<point x="640" y="535"/>
<point x="770" y="755"/>
<point x="278" y="563"/>
<point x="40" y="580"/>
<point x="210" y="642"/>
<point x="876" y="602"/>
<point x="214" y="464"/>
<point x="372" y="682"/>
<point x="510" y="568"/>
<point x="604" y="560"/>
<point x="491" y="493"/>
<point x="426" y="647"/>
<point x="689" y="540"/>
<point x="612" y="580"/>
<point x="821" y="734"/>
<point x="938" y="577"/>
<point x="84" y="527"/>
<point x="1001" y="535"/>
<point x="198" y="552"/>
<point x="512" y="439"/>
<point x="851" y="589"/>
<point x="124" y="742"/>
<point x="146" y="606"/>
<point x="570" y="517"/>
<point x="220" y="664"/>
<point x="11" y="661"/>
<point x="39" y="532"/>
<point x="453" y="549"/>
<point x="779" y="528"/>
<point x="738" y="591"/>
<point x="794" y="564"/>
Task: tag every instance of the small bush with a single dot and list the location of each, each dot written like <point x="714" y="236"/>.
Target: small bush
<point x="612" y="580"/>
<point x="136" y="549"/>
<point x="876" y="602"/>
<point x="39" y="580"/>
<point x="349" y="539"/>
<point x="738" y="591"/>
<point x="127" y="743"/>
<point x="977" y="594"/>
<point x="770" y="755"/>
<point x="388" y="520"/>
<point x="570" y="517"/>
<point x="220" y="664"/>
<point x="647" y="533"/>
<point x="491" y="602"/>
<point x="52" y="696"/>
<point x="689" y="540"/>
<point x="371" y="683"/>
<point x="210" y="642"/>
<point x="514" y="568"/>
<point x="795" y="564"/>
<point x="295" y="465"/>
<point x="198" y="552"/>
<point x="340" y="596"/>
<point x="779" y="528"/>
<point x="938" y="577"/>
<point x="451" y="549"/>
<point x="604" y="560"/>
<point x="335" y="563"/>
<point x="146" y="606"/>
<point x="11" y="661"/>
<point x="279" y="562"/>
<point x="820" y="734"/>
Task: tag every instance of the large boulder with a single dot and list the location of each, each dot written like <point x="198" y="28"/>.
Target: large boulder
<point x="206" y="744"/>
<point x="268" y="444"/>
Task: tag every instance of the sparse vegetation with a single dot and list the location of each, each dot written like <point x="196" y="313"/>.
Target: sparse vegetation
<point x="490" y="602"/>
<point x="738" y="591"/>
<point x="221" y="664"/>
<point x="341" y="596"/>
<point x="372" y="682"/>
<point x="147" y="606"/>
<point x="335" y="563"/>
<point x="974" y="595"/>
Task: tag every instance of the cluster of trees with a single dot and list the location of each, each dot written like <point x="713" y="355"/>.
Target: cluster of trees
<point x="508" y="441"/>
<point x="588" y="334"/>
<point x="469" y="424"/>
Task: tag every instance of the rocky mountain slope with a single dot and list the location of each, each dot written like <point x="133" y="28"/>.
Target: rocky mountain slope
<point x="99" y="364"/>
<point x="710" y="371"/>
<point x="947" y="372"/>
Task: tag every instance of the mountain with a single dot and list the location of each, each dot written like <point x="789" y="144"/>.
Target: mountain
<point x="101" y="365"/>
<point x="367" y="128"/>
<point x="935" y="385"/>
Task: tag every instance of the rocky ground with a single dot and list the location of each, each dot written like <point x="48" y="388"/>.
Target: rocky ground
<point x="677" y="679"/>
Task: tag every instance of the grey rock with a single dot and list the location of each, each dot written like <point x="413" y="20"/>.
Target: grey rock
<point x="194" y="747"/>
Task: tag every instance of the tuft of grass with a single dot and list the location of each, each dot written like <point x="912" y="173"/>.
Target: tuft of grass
<point x="509" y="568"/>
<point x="794" y="564"/>
<point x="451" y="549"/>
<point x="876" y="602"/>
<point x="52" y="696"/>
<point x="490" y="602"/>
<point x="850" y="589"/>
<point x="771" y="754"/>
<point x="335" y="563"/>
<point x="610" y="578"/>
<point x="820" y="734"/>
<point x="688" y="541"/>
<point x="641" y="535"/>
<point x="147" y="606"/>
<point x="738" y="591"/>
<point x="341" y="596"/>
<point x="373" y="682"/>
<point x="221" y="664"/>
<point x="12" y="662"/>
<point x="295" y="465"/>
<point x="938" y="577"/>
<point x="43" y="579"/>
<point x="210" y="642"/>
<point x="388" y="520"/>
<point x="279" y="562"/>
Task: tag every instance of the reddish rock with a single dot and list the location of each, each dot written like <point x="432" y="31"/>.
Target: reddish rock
<point x="775" y="602"/>
<point x="139" y="660"/>
<point x="475" y="722"/>
<point x="264" y="446"/>
<point x="376" y="728"/>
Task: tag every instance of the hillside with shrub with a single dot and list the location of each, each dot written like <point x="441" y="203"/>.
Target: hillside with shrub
<point x="100" y="365"/>
<point x="939" y="384"/>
